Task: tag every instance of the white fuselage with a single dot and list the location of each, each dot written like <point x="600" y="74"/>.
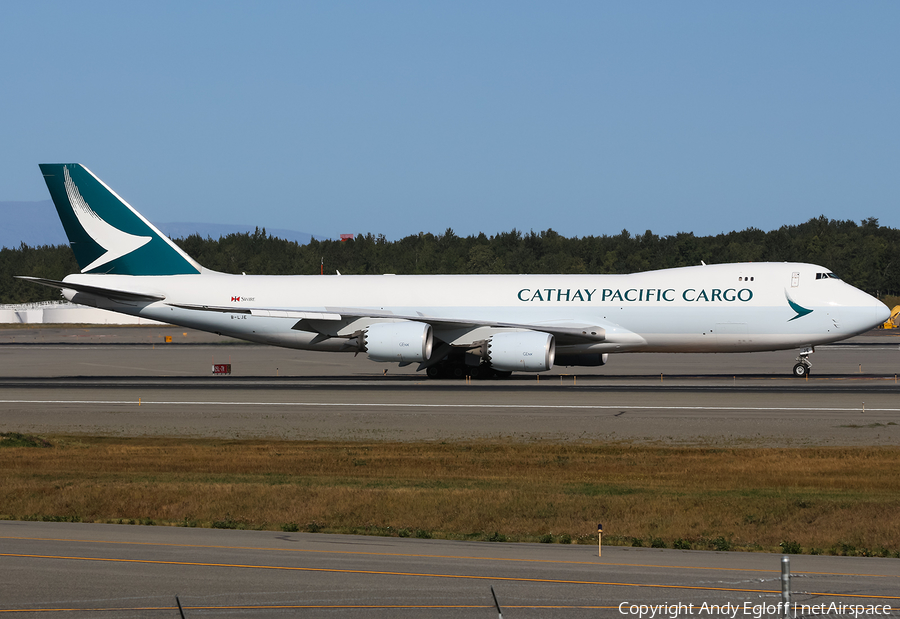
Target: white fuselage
<point x="716" y="308"/>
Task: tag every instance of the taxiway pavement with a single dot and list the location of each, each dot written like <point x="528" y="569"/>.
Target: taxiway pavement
<point x="95" y="570"/>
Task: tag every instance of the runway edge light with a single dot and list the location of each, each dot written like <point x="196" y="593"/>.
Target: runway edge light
<point x="600" y="539"/>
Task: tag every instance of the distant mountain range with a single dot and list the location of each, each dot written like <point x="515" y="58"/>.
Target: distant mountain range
<point x="36" y="223"/>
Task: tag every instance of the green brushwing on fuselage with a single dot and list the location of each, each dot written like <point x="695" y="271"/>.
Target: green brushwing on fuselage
<point x="801" y="311"/>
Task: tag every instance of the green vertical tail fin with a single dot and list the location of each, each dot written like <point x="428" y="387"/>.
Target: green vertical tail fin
<point x="105" y="232"/>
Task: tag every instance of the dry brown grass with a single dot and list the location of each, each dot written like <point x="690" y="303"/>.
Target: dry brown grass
<point x="840" y="500"/>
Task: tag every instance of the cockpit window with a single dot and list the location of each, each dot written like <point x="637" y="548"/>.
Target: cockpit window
<point x="826" y="276"/>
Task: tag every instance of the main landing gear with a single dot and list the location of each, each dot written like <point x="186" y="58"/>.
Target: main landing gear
<point x="801" y="370"/>
<point x="458" y="370"/>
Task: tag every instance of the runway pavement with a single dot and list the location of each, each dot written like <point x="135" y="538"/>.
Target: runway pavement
<point x="92" y="570"/>
<point x="129" y="381"/>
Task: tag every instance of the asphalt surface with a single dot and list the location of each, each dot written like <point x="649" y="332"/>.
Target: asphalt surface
<point x="130" y="381"/>
<point x="91" y="570"/>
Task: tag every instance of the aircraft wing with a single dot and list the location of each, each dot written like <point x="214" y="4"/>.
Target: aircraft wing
<point x="317" y="321"/>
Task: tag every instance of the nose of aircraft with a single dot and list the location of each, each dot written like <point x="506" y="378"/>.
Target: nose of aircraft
<point x="864" y="312"/>
<point x="882" y="312"/>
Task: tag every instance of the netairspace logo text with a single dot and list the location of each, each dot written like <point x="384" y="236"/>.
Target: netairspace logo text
<point x="749" y="609"/>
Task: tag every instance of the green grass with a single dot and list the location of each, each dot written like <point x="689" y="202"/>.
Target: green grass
<point x="14" y="439"/>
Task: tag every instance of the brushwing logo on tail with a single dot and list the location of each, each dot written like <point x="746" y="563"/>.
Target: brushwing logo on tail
<point x="116" y="242"/>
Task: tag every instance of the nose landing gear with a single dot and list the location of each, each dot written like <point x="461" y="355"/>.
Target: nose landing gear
<point x="803" y="366"/>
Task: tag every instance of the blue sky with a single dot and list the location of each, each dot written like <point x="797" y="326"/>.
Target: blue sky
<point x="395" y="118"/>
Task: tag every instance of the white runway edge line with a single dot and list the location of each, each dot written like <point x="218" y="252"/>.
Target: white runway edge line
<point x="143" y="402"/>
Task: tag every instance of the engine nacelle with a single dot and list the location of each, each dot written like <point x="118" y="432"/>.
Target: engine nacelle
<point x="403" y="342"/>
<point x="585" y="359"/>
<point x="522" y="351"/>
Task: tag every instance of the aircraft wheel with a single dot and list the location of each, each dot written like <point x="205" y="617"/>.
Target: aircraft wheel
<point x="458" y="371"/>
<point x="801" y="370"/>
<point x="485" y="371"/>
<point x="433" y="371"/>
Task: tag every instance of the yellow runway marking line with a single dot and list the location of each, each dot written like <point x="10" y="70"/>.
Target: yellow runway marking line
<point x="428" y="575"/>
<point x="598" y="563"/>
<point x="587" y="407"/>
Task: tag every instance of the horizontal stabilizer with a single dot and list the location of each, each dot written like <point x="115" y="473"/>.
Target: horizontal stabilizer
<point x="108" y="293"/>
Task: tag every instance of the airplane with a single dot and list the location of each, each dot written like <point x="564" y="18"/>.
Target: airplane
<point x="451" y="325"/>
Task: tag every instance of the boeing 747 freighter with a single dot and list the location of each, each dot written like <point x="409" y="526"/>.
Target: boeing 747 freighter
<point x="451" y="325"/>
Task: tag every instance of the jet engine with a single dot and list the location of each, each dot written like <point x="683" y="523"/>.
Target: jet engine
<point x="398" y="341"/>
<point x="523" y="351"/>
<point x="587" y="359"/>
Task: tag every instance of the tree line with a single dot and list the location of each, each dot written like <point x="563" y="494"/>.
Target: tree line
<point x="864" y="254"/>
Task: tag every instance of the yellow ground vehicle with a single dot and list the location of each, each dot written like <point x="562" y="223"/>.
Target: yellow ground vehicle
<point x="894" y="321"/>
